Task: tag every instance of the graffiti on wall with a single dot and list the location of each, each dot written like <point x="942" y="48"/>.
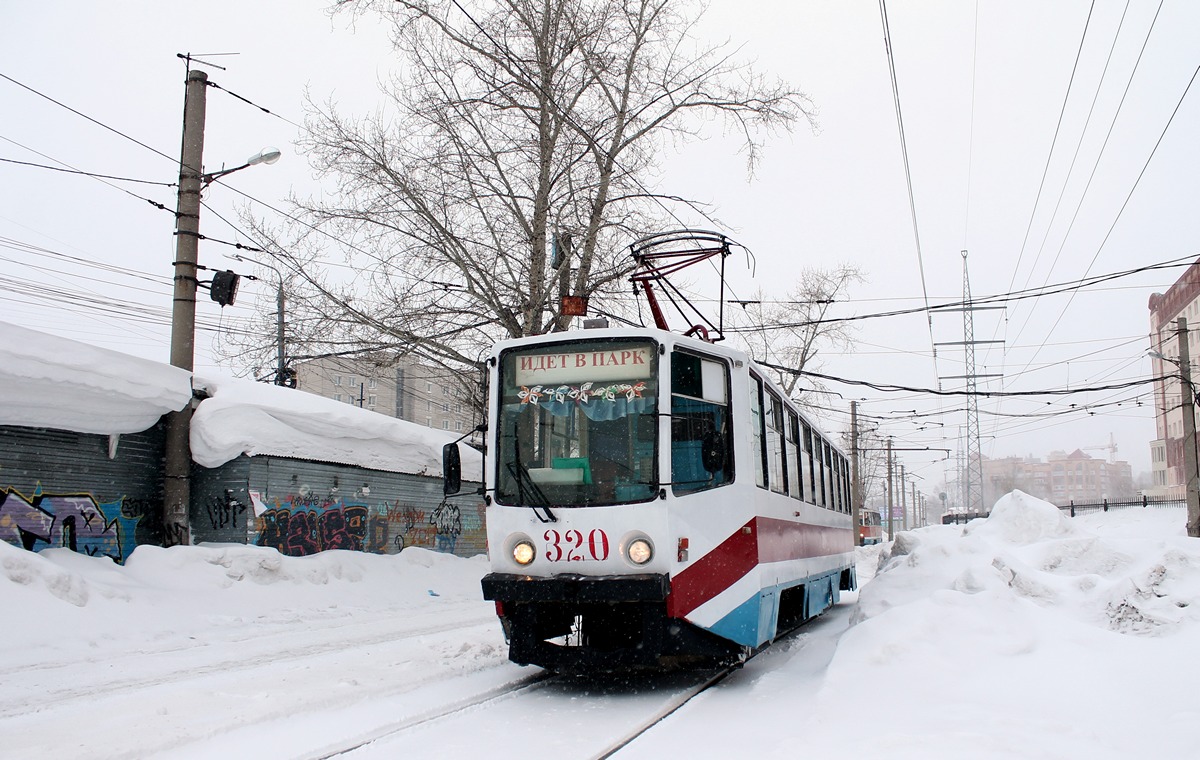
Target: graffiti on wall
<point x="75" y="521"/>
<point x="225" y="511"/>
<point x="305" y="524"/>
<point x="306" y="527"/>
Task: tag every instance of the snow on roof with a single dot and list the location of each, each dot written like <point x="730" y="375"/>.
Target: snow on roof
<point x="52" y="382"/>
<point x="245" y="417"/>
<point x="58" y="383"/>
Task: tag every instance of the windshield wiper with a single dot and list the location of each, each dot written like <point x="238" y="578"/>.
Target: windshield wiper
<point x="525" y="483"/>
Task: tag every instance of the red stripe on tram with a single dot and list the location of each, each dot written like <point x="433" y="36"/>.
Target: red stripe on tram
<point x="761" y="540"/>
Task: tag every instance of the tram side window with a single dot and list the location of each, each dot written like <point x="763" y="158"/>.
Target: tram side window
<point x="776" y="465"/>
<point x="792" y="458"/>
<point x="701" y="452"/>
<point x="756" y="424"/>
<point x="841" y="483"/>
<point x="847" y="491"/>
<point x="809" y="465"/>
<point x="830" y="495"/>
<point x="837" y="480"/>
<point x="820" y="471"/>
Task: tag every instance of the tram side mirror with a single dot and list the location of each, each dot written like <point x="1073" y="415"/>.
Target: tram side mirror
<point x="451" y="469"/>
<point x="712" y="451"/>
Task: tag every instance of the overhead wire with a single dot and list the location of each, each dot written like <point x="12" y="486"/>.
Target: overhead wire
<point x="1053" y="142"/>
<point x="1071" y="169"/>
<point x="912" y="203"/>
<point x="1128" y="197"/>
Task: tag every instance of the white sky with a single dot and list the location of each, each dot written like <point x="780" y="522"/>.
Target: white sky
<point x="1025" y="635"/>
<point x="980" y="112"/>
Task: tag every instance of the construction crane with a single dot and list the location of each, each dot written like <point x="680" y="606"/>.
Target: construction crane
<point x="1112" y="448"/>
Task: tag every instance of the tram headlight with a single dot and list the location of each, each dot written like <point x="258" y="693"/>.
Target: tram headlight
<point x="523" y="552"/>
<point x="640" y="551"/>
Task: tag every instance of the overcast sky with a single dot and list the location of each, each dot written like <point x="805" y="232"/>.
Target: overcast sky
<point x="981" y="88"/>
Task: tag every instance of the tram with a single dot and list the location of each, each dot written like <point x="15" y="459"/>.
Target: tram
<point x="652" y="500"/>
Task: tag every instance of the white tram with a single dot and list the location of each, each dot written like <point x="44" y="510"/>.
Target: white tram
<point x="653" y="500"/>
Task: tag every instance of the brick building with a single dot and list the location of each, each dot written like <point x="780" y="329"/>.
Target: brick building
<point x="1182" y="300"/>
<point x="431" y="396"/>
<point x="1061" y="479"/>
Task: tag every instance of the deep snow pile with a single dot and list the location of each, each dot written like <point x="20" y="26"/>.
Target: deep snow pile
<point x="1028" y="550"/>
<point x="245" y="417"/>
<point x="1024" y="635"/>
<point x="177" y="591"/>
<point x="52" y="382"/>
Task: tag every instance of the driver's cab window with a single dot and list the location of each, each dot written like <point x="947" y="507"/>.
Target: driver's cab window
<point x="701" y="448"/>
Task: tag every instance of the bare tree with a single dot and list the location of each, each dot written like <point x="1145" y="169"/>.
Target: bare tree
<point x="514" y="129"/>
<point x="790" y="334"/>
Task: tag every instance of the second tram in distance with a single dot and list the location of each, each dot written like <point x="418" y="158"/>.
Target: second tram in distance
<point x="653" y="500"/>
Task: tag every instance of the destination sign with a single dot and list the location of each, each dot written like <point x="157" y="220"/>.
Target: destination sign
<point x="626" y="363"/>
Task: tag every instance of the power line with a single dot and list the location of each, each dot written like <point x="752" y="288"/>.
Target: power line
<point x="885" y="387"/>
<point x="1128" y="197"/>
<point x="912" y="203"/>
<point x="89" y="118"/>
<point x="1002" y="298"/>
<point x="1053" y="142"/>
<point x="86" y="174"/>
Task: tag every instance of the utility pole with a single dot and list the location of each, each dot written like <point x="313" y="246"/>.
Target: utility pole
<point x="1188" y="402"/>
<point x="855" y="485"/>
<point x="903" y="502"/>
<point x="177" y="463"/>
<point x="916" y="508"/>
<point x="891" y="519"/>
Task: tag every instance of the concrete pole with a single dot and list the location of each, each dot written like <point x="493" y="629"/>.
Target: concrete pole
<point x="178" y="453"/>
<point x="916" y="507"/>
<point x="891" y="519"/>
<point x="855" y="485"/>
<point x="1188" y="404"/>
<point x="903" y="500"/>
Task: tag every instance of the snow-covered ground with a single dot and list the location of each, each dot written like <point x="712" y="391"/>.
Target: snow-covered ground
<point x="1026" y="635"/>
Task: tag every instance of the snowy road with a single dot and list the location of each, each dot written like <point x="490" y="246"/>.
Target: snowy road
<point x="217" y="665"/>
<point x="1025" y="635"/>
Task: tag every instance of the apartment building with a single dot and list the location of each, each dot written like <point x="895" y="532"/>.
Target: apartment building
<point x="1182" y="300"/>
<point x="431" y="396"/>
<point x="1061" y="479"/>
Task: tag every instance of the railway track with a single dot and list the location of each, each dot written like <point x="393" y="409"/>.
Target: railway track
<point x="433" y="715"/>
<point x="519" y="702"/>
<point x="670" y="708"/>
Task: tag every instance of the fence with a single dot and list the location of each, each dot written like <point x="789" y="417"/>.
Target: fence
<point x="1084" y="507"/>
<point x="1105" y="505"/>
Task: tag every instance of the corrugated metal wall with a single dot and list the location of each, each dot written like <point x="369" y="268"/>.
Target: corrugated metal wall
<point x="308" y="507"/>
<point x="61" y="488"/>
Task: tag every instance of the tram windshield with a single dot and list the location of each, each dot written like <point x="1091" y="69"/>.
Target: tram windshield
<point x="578" y="424"/>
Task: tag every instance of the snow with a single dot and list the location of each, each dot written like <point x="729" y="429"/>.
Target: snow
<point x="52" y="382"/>
<point x="1024" y="635"/>
<point x="245" y="417"/>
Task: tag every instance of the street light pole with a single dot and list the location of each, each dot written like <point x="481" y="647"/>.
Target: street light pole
<point x="1188" y="401"/>
<point x="855" y="484"/>
<point x="177" y="454"/>
<point x="177" y="462"/>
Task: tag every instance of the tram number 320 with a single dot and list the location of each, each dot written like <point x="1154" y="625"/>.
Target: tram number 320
<point x="573" y="546"/>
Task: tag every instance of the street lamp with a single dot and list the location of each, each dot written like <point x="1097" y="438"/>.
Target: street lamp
<point x="264" y="156"/>
<point x="1191" y="467"/>
<point x="177" y="453"/>
<point x="282" y="376"/>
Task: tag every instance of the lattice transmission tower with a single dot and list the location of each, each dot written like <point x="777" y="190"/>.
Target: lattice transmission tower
<point x="973" y="482"/>
<point x="970" y="470"/>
